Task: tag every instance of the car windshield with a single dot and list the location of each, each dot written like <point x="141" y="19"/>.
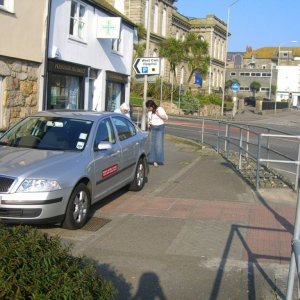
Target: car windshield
<point x="49" y="133"/>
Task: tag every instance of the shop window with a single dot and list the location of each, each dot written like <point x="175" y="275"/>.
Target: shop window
<point x="114" y="95"/>
<point x="65" y="92"/>
<point x="7" y="5"/>
<point x="78" y="20"/>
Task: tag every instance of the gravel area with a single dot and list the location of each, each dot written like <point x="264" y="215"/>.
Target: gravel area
<point x="268" y="178"/>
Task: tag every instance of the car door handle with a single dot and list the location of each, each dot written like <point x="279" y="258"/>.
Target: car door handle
<point x="116" y="153"/>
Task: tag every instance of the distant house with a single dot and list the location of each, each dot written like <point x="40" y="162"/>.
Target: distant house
<point x="59" y="56"/>
<point x="266" y="65"/>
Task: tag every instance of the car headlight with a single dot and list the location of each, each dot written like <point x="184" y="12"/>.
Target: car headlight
<point x="38" y="185"/>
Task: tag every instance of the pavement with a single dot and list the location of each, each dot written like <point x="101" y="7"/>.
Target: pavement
<point x="196" y="231"/>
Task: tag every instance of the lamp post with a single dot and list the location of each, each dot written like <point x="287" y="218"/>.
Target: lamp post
<point x="143" y="121"/>
<point x="226" y="46"/>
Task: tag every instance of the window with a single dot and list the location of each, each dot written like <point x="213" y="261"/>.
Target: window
<point x="155" y="24"/>
<point x="64" y="92"/>
<point x="78" y="20"/>
<point x="116" y="45"/>
<point x="164" y="23"/>
<point x="146" y="14"/>
<point x="264" y="89"/>
<point x="105" y="133"/>
<point x="232" y="73"/>
<point x="7" y="5"/>
<point x="244" y="88"/>
<point x="124" y="128"/>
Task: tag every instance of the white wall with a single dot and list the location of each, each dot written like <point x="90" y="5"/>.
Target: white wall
<point x="288" y="81"/>
<point x="94" y="52"/>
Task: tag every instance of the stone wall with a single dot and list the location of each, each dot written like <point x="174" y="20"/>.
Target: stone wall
<point x="19" y="92"/>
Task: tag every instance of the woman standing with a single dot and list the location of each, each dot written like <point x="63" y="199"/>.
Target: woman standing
<point x="156" y="125"/>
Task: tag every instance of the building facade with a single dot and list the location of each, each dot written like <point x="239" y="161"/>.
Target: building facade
<point x="86" y="70"/>
<point x="168" y="22"/>
<point x="21" y="58"/>
<point x="274" y="68"/>
<point x="68" y="63"/>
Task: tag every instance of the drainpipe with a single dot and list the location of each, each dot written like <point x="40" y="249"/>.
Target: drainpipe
<point x="45" y="83"/>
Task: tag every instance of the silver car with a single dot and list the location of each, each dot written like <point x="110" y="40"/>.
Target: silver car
<point x="55" y="164"/>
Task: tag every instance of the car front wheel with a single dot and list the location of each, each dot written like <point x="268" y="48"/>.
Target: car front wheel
<point x="139" y="177"/>
<point x="78" y="207"/>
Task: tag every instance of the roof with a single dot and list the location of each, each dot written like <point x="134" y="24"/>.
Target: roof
<point x="76" y="114"/>
<point x="271" y="52"/>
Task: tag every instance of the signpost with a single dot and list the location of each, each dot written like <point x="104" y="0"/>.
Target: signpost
<point x="235" y="87"/>
<point x="147" y="66"/>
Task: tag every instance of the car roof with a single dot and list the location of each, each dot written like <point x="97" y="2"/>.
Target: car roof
<point x="75" y="114"/>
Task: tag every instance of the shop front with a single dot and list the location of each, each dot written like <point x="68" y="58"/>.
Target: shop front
<point x="65" y="87"/>
<point x="115" y="90"/>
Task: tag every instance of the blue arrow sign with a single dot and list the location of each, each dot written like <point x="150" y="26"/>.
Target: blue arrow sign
<point x="235" y="87"/>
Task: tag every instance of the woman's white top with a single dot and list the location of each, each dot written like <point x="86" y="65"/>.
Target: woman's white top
<point x="154" y="119"/>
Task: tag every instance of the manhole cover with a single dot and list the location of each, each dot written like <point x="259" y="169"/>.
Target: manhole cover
<point x="95" y="224"/>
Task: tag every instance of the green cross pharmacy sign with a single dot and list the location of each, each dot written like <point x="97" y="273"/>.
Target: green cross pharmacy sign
<point x="108" y="27"/>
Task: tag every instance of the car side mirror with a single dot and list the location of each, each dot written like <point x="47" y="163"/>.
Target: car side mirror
<point x="103" y="146"/>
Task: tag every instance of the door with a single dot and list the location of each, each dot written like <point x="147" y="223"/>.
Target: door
<point x="107" y="163"/>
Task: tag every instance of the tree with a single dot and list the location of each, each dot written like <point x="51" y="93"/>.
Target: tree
<point x="196" y="55"/>
<point x="255" y="87"/>
<point x="173" y="50"/>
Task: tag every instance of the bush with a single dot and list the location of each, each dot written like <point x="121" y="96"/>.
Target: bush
<point x="36" y="266"/>
<point x="189" y="104"/>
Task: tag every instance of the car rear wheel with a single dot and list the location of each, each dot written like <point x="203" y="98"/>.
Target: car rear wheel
<point x="78" y="207"/>
<point x="139" y="177"/>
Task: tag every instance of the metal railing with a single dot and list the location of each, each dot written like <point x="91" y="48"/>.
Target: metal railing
<point x="255" y="142"/>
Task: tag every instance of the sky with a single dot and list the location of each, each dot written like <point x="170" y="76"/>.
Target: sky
<point x="254" y="23"/>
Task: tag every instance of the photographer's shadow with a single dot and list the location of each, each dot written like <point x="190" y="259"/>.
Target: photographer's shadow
<point x="149" y="288"/>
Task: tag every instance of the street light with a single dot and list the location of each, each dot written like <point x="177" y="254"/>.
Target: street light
<point x="143" y="121"/>
<point x="226" y="45"/>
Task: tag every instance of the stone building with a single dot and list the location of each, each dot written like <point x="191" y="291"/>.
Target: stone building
<point x="168" y="22"/>
<point x="213" y="30"/>
<point x="21" y="58"/>
<point x="262" y="65"/>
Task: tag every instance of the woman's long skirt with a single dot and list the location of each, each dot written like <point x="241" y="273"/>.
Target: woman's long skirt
<point x="157" y="144"/>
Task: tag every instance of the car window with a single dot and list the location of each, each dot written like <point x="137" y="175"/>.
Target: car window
<point x="124" y="128"/>
<point x="105" y="132"/>
<point x="50" y="133"/>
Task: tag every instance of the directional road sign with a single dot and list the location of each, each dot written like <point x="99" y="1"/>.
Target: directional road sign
<point x="235" y="86"/>
<point x="147" y="66"/>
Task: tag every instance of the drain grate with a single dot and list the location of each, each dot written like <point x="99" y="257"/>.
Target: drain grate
<point x="95" y="224"/>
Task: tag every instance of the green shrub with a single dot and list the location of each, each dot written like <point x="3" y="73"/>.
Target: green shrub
<point x="189" y="104"/>
<point x="36" y="266"/>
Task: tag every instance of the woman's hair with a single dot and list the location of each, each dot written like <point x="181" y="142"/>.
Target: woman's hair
<point x="151" y="104"/>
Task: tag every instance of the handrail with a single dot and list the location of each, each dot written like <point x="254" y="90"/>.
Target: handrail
<point x="227" y="136"/>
